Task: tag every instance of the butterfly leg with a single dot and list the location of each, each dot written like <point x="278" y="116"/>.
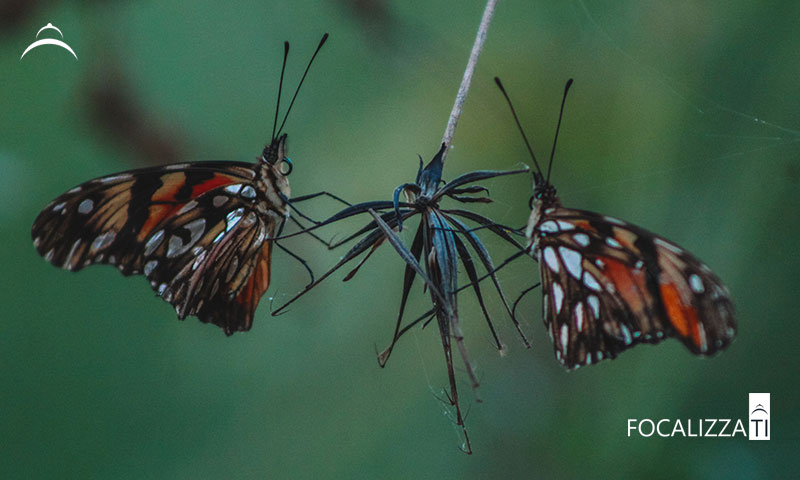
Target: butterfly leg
<point x="524" y="292"/>
<point x="303" y="198"/>
<point x="290" y="203"/>
<point x="299" y="259"/>
<point x="305" y="229"/>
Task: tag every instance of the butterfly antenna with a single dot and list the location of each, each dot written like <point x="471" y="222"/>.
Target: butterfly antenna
<point x="558" y="127"/>
<point x="519" y="125"/>
<point x="321" y="43"/>
<point x="280" y="87"/>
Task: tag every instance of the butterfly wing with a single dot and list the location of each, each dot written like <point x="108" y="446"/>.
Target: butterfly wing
<point x="197" y="231"/>
<point x="108" y="219"/>
<point x="610" y="285"/>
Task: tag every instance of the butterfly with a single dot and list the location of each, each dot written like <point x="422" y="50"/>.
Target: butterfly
<point x="608" y="285"/>
<point x="200" y="232"/>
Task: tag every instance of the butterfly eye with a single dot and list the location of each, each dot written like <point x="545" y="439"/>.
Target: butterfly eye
<point x="286" y="166"/>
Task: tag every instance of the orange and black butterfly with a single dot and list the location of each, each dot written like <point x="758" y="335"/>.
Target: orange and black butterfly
<point x="608" y="285"/>
<point x="200" y="232"/>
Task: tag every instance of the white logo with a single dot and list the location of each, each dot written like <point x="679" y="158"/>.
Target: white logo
<point x="697" y="427"/>
<point x="708" y="427"/>
<point x="759" y="416"/>
<point x="49" y="41"/>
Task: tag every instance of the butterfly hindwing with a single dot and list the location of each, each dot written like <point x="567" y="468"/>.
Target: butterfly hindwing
<point x="212" y="251"/>
<point x="610" y="285"/>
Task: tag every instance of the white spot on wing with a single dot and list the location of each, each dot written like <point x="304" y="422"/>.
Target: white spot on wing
<point x="153" y="242"/>
<point x="696" y="283"/>
<point x="116" y="178"/>
<point x="176" y="166"/>
<point x="613" y="220"/>
<point x="550" y="259"/>
<point x="68" y="260"/>
<point x="591" y="282"/>
<point x="177" y="247"/>
<point x="248" y="192"/>
<point x="262" y="234"/>
<point x="219" y="200"/>
<point x="599" y="263"/>
<point x="196" y="228"/>
<point x="189" y="205"/>
<point x="626" y="334"/>
<point x="558" y="296"/>
<point x="233" y="189"/>
<point x="663" y="243"/>
<point x="198" y="260"/>
<point x="103" y="240"/>
<point x="611" y="242"/>
<point x="572" y="260"/>
<point x="233" y="218"/>
<point x="86" y="206"/>
<point x="564" y="337"/>
<point x="579" y="316"/>
<point x="581" y="239"/>
<point x="149" y="267"/>
<point x="565" y="225"/>
<point x="59" y="207"/>
<point x="548" y="226"/>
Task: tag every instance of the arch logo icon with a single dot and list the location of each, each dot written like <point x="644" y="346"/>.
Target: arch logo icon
<point x="49" y="41"/>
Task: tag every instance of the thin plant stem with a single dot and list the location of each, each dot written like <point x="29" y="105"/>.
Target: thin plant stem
<point x="463" y="89"/>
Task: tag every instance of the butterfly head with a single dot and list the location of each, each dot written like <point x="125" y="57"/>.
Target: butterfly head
<point x="275" y="154"/>
<point x="544" y="197"/>
<point x="544" y="193"/>
<point x="276" y="165"/>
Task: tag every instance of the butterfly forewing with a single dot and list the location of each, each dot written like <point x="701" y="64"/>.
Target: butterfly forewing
<point x="609" y="285"/>
<point x="107" y="220"/>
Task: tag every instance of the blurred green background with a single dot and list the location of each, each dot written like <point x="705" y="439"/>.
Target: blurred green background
<point x="683" y="118"/>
